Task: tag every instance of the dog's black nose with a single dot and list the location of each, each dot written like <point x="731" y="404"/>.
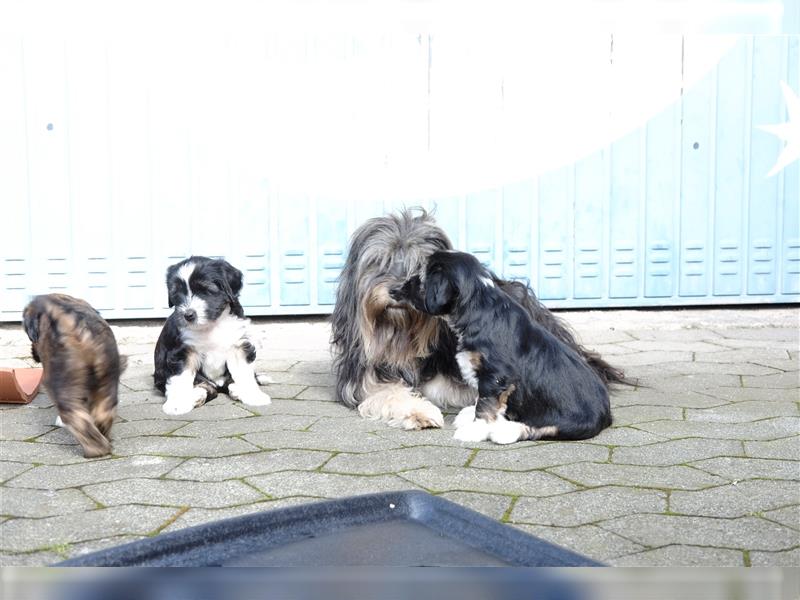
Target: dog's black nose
<point x="190" y="315"/>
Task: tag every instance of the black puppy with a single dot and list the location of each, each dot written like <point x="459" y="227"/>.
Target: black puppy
<point x="530" y="384"/>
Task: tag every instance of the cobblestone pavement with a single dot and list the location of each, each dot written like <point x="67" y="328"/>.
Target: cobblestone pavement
<point x="700" y="467"/>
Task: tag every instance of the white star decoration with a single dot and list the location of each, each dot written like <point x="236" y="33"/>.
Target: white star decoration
<point x="789" y="132"/>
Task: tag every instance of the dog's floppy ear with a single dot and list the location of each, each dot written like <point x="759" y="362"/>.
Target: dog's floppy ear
<point x="30" y="321"/>
<point x="232" y="285"/>
<point x="233" y="277"/>
<point x="171" y="270"/>
<point x="439" y="293"/>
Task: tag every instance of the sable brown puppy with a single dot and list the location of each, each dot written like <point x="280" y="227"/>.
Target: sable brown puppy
<point x="81" y="364"/>
<point x="530" y="384"/>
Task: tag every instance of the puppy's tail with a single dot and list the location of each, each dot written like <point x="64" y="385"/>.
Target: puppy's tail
<point x="525" y="296"/>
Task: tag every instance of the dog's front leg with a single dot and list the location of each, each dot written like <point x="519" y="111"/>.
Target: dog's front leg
<point x="182" y="395"/>
<point x="245" y="384"/>
<point x="399" y="406"/>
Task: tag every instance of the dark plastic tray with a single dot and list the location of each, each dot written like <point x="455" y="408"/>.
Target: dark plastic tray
<point x="388" y="529"/>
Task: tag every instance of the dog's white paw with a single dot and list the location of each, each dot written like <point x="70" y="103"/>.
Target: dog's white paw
<point x="59" y="422"/>
<point x="252" y="396"/>
<point x="476" y="431"/>
<point x="184" y="403"/>
<point x="505" y="432"/>
<point x="264" y="379"/>
<point x="424" y="416"/>
<point x="465" y="417"/>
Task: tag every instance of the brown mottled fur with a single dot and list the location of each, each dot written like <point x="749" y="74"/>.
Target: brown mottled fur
<point x="82" y="366"/>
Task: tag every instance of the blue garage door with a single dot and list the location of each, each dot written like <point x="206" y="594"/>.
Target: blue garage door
<point x="118" y="160"/>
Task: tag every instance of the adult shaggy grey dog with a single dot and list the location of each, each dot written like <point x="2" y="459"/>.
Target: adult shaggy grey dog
<point x="397" y="364"/>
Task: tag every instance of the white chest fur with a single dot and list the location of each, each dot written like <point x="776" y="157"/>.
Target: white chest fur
<point x="214" y="343"/>
<point x="465" y="364"/>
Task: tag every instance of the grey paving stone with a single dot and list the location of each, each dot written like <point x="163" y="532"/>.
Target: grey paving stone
<point x="767" y="429"/>
<point x="126" y="429"/>
<point x="312" y="440"/>
<point x="788" y="558"/>
<point x="346" y="425"/>
<point x="677" y="335"/>
<point x="540" y="455"/>
<point x="673" y="477"/>
<point x="664" y="345"/>
<point x="110" y="469"/>
<point x="12" y="469"/>
<point x="26" y="535"/>
<point x="697" y="382"/>
<point x="588" y="540"/>
<point x="682" y="556"/>
<point x="629" y="415"/>
<point x="19" y="502"/>
<point x="324" y="394"/>
<point x="788" y="448"/>
<point x="783" y="364"/>
<point x="303" y="378"/>
<point x="493" y="506"/>
<point x="272" y="365"/>
<point x="30" y="559"/>
<point x="654" y="357"/>
<point x="789" y="334"/>
<point x="325" y="485"/>
<point x="625" y="436"/>
<point x="789" y="516"/>
<point x="253" y="424"/>
<point x="23" y="431"/>
<point x="83" y="548"/>
<point x="744" y="412"/>
<point x="435" y="437"/>
<point x="200" y="516"/>
<point x="676" y="452"/>
<point x="219" y="469"/>
<point x="131" y="398"/>
<point x="49" y="454"/>
<point x="736" y="500"/>
<point x="216" y="410"/>
<point x="394" y="461"/>
<point x="461" y="479"/>
<point x="745" y="533"/>
<point x="610" y="349"/>
<point x="604" y="336"/>
<point x="583" y="507"/>
<point x="306" y="407"/>
<point x="26" y="414"/>
<point x="747" y="394"/>
<point x="750" y="468"/>
<point x="743" y="355"/>
<point x="283" y="390"/>
<point x="181" y="446"/>
<point x="313" y="366"/>
<point x="789" y="381"/>
<point x="138" y="383"/>
<point x="162" y="492"/>
<point x="145" y="427"/>
<point x="701" y="366"/>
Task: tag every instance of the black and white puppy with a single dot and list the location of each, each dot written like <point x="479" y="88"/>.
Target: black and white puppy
<point x="530" y="384"/>
<point x="204" y="347"/>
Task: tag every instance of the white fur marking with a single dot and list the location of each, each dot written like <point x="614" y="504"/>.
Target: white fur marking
<point x="503" y="431"/>
<point x="467" y="370"/>
<point x="264" y="379"/>
<point x="487" y="281"/>
<point x="181" y="394"/>
<point x="59" y="422"/>
<point x="244" y="387"/>
<point x="399" y="406"/>
<point x="465" y="417"/>
<point x="213" y="344"/>
<point x="476" y="431"/>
